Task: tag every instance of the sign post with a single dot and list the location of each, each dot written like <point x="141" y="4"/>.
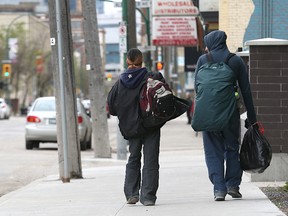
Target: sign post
<point x="123" y="37"/>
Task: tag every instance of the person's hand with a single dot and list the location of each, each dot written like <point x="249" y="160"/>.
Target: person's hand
<point x="259" y="127"/>
<point x="247" y="123"/>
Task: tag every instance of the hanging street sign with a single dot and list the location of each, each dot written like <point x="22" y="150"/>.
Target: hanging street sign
<point x="143" y="4"/>
<point x="138" y="4"/>
<point x="123" y="30"/>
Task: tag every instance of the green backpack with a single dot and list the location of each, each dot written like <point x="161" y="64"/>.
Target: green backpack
<point x="215" y="100"/>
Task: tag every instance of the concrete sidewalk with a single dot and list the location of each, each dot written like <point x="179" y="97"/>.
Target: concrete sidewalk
<point x="184" y="187"/>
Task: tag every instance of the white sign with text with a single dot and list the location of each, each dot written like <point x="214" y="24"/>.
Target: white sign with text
<point x="174" y="8"/>
<point x="174" y="31"/>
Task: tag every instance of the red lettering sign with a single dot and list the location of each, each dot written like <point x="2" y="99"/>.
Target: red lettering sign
<point x="174" y="31"/>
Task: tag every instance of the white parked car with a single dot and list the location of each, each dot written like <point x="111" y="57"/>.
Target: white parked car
<point x="41" y="124"/>
<point x="4" y="109"/>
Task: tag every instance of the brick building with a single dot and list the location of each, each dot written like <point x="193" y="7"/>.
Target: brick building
<point x="269" y="83"/>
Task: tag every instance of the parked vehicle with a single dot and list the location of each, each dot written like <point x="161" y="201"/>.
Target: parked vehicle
<point x="5" y="110"/>
<point x="87" y="105"/>
<point x="41" y="124"/>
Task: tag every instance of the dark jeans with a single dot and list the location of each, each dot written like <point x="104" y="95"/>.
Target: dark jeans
<point x="222" y="157"/>
<point x="150" y="170"/>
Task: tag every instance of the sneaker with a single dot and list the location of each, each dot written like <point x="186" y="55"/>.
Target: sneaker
<point x="234" y="192"/>
<point x="132" y="200"/>
<point x="219" y="195"/>
<point x="148" y="203"/>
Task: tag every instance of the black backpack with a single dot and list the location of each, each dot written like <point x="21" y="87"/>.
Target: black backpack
<point x="157" y="102"/>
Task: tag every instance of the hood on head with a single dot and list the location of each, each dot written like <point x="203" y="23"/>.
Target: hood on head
<point x="131" y="78"/>
<point x="215" y="40"/>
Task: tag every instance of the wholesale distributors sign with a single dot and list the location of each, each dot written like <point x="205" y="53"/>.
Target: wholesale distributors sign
<point x="174" y="8"/>
<point x="174" y="23"/>
<point x="174" y="31"/>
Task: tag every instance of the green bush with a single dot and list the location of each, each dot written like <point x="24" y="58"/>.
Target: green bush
<point x="285" y="187"/>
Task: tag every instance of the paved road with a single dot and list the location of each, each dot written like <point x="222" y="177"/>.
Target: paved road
<point x="19" y="166"/>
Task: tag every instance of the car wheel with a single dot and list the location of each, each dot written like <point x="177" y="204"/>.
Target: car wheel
<point x="29" y="144"/>
<point x="36" y="144"/>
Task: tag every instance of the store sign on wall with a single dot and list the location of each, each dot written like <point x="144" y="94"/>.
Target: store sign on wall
<point x="174" y="31"/>
<point x="174" y="23"/>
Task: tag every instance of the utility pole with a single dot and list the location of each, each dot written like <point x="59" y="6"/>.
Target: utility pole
<point x="129" y="18"/>
<point x="131" y="25"/>
<point x="145" y="15"/>
<point x="124" y="20"/>
<point x="96" y="78"/>
<point x="64" y="82"/>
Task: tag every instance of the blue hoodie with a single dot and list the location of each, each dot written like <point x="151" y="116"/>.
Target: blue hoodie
<point x="215" y="41"/>
<point x="131" y="78"/>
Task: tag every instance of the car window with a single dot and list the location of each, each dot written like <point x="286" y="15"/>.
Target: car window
<point x="45" y="105"/>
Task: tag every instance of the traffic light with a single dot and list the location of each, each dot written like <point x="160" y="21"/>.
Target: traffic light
<point x="39" y="62"/>
<point x="159" y="65"/>
<point x="6" y="70"/>
<point x="109" y="77"/>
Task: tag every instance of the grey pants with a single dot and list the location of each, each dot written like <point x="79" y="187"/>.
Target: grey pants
<point x="150" y="170"/>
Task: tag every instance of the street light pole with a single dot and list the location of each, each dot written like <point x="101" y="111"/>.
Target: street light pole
<point x="124" y="20"/>
<point x="121" y="142"/>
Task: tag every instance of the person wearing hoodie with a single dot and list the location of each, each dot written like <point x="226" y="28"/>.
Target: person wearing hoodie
<point x="221" y="148"/>
<point x="123" y="102"/>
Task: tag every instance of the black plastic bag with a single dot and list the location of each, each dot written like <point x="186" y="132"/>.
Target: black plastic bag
<point x="255" y="152"/>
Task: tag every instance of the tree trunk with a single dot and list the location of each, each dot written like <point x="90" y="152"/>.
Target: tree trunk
<point x="72" y="163"/>
<point x="96" y="80"/>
